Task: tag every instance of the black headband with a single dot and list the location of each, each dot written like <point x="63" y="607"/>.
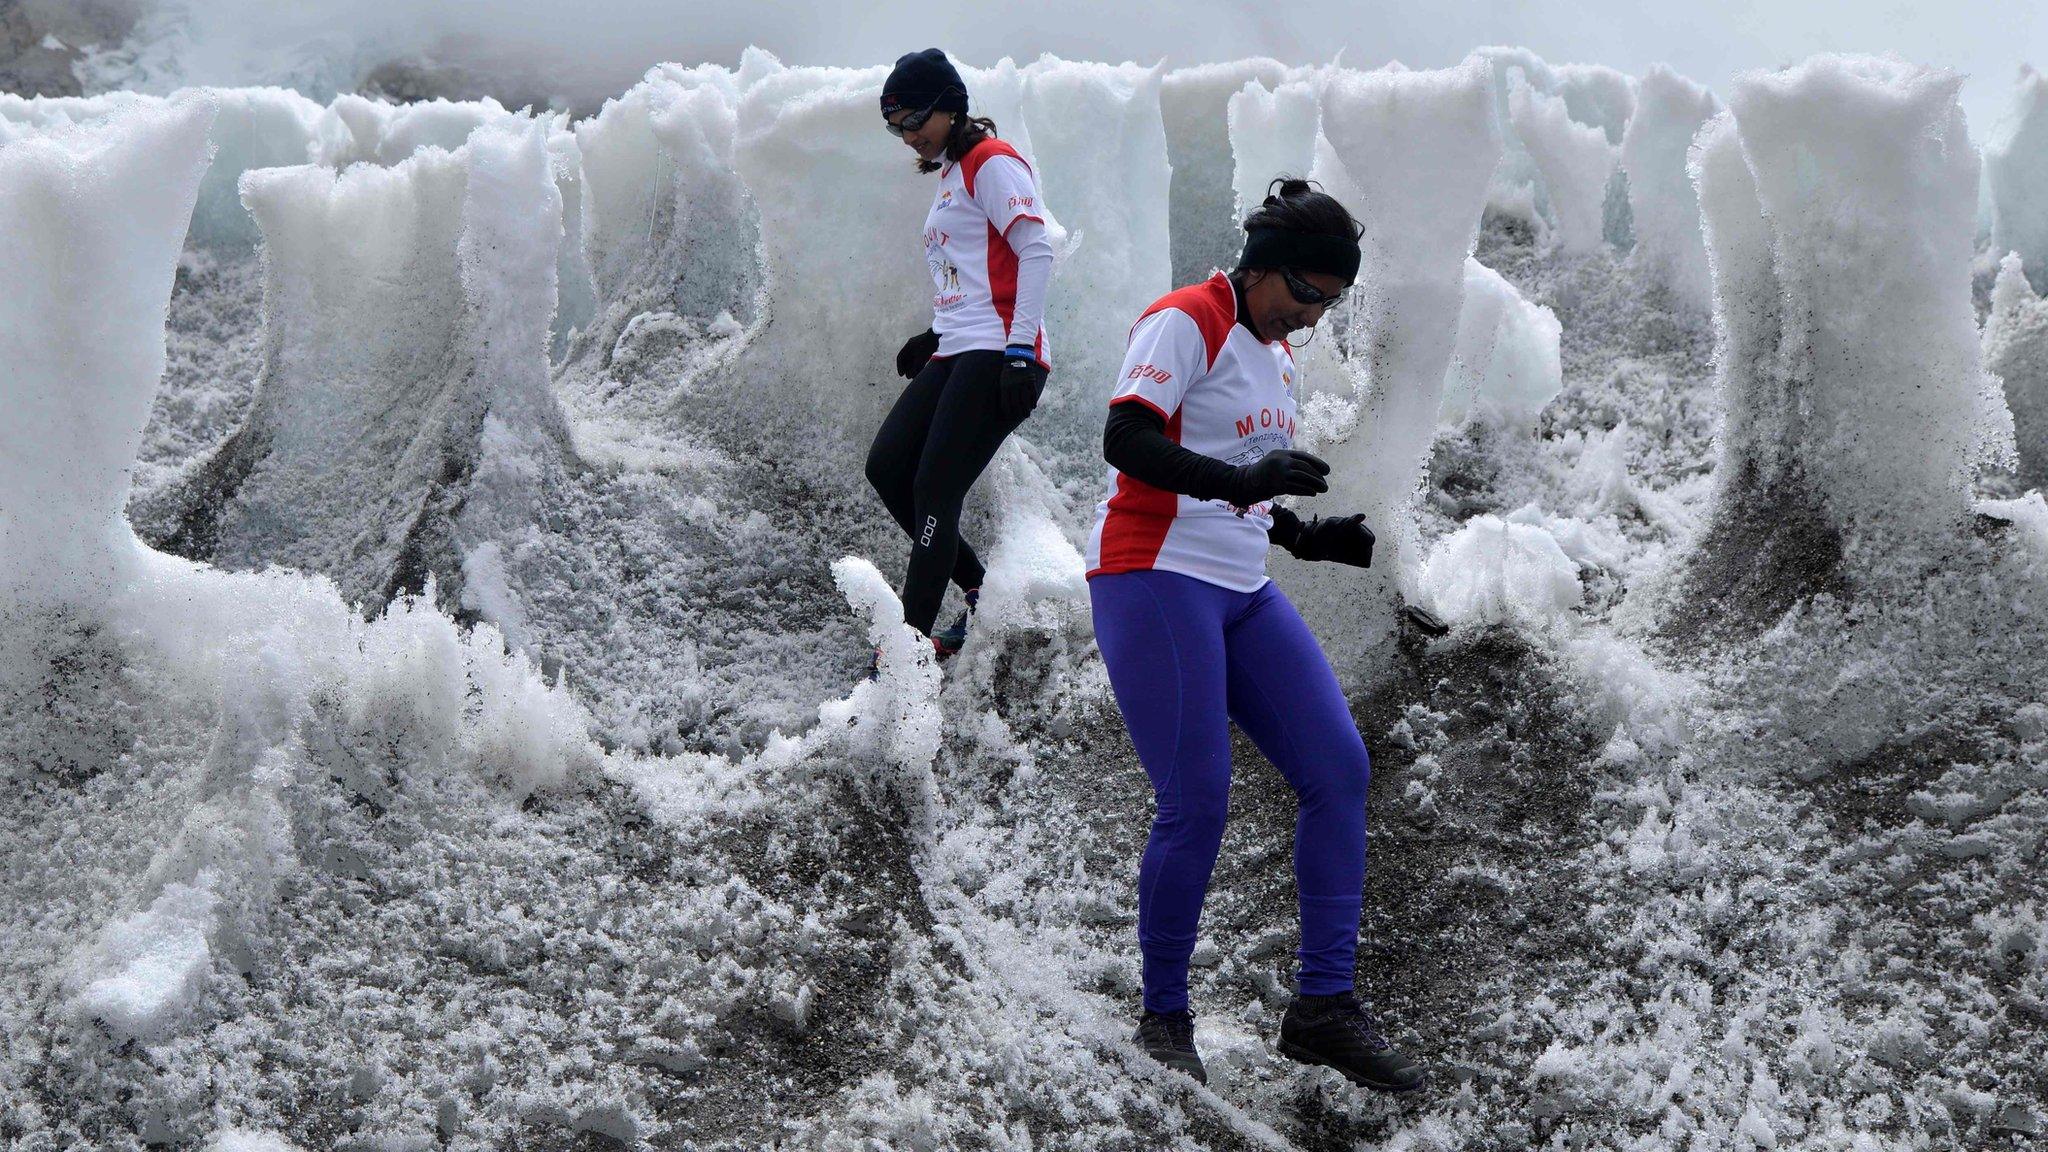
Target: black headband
<point x="1300" y="251"/>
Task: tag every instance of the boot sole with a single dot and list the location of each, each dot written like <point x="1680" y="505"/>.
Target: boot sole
<point x="1301" y="1055"/>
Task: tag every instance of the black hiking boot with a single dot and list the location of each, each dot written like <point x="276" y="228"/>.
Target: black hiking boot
<point x="1169" y="1037"/>
<point x="1335" y="1032"/>
<point x="953" y="637"/>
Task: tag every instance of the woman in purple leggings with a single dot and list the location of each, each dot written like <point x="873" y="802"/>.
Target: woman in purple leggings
<point x="1194" y="635"/>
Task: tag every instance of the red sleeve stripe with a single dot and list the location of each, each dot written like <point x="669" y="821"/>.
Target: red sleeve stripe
<point x="1002" y="276"/>
<point x="1002" y="261"/>
<point x="1139" y="517"/>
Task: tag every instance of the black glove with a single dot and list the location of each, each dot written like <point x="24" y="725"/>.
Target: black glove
<point x="1344" y="539"/>
<point x="1281" y="472"/>
<point x="1022" y="381"/>
<point x="918" y="349"/>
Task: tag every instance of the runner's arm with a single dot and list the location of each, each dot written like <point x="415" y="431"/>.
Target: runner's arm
<point x="1135" y="444"/>
<point x="1027" y="238"/>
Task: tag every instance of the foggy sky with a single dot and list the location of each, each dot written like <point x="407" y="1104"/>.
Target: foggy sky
<point x="604" y="45"/>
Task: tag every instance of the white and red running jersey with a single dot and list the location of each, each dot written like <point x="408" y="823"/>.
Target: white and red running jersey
<point x="974" y="271"/>
<point x="1224" y="393"/>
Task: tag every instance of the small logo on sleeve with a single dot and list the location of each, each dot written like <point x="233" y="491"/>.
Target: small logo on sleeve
<point x="1022" y="201"/>
<point x="1148" y="372"/>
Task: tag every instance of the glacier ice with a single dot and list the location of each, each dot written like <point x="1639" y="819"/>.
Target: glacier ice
<point x="1101" y="149"/>
<point x="1492" y="570"/>
<point x="1204" y="208"/>
<point x="1837" y="201"/>
<point x="256" y="128"/>
<point x="2016" y="174"/>
<point x="1505" y="366"/>
<point x="247" y="674"/>
<point x="1575" y="161"/>
<point x="1869" y="377"/>
<point x="365" y="442"/>
<point x="1663" y="205"/>
<point x="386" y="855"/>
<point x="665" y="208"/>
<point x="1552" y="171"/>
<point x="2016" y="351"/>
<point x="1419" y="148"/>
<point x="1272" y="134"/>
<point x="109" y="200"/>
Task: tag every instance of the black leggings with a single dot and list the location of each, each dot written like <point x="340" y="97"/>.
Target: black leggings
<point x="943" y="431"/>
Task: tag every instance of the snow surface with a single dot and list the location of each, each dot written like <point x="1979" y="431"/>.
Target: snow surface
<point x="1714" y="823"/>
<point x="1490" y="571"/>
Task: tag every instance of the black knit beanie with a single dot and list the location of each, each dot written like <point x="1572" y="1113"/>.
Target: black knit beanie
<point x="924" y="80"/>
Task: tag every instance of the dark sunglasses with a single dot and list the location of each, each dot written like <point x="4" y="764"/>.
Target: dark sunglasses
<point x="1307" y="293"/>
<point x="915" y="120"/>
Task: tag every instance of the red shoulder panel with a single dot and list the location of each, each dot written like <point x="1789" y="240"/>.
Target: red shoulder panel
<point x="1213" y="306"/>
<point x="980" y="154"/>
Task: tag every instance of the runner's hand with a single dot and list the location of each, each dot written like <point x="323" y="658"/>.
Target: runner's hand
<point x="1023" y="380"/>
<point x="1344" y="539"/>
<point x="918" y="349"/>
<point x="1281" y="472"/>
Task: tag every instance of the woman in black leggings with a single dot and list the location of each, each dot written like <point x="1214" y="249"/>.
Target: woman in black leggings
<point x="978" y="371"/>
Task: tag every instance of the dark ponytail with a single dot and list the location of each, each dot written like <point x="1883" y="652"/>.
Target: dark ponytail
<point x="967" y="131"/>
<point x="1296" y="205"/>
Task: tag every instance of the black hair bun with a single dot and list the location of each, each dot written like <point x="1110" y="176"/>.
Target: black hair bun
<point x="1297" y="205"/>
<point x="1288" y="188"/>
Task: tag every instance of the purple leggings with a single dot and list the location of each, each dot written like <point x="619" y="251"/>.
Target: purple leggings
<point x="1186" y="657"/>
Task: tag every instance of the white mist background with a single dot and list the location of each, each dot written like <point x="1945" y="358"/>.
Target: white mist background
<point x="587" y="51"/>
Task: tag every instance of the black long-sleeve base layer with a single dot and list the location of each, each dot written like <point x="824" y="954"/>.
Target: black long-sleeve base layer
<point x="929" y="451"/>
<point x="1134" y="443"/>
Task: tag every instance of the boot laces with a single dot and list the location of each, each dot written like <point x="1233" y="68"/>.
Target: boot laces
<point x="1360" y="1023"/>
<point x="1176" y="1028"/>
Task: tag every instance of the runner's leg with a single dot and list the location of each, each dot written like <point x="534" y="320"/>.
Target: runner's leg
<point x="1285" y="696"/>
<point x="967" y="427"/>
<point x="899" y="443"/>
<point x="1161" y="636"/>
